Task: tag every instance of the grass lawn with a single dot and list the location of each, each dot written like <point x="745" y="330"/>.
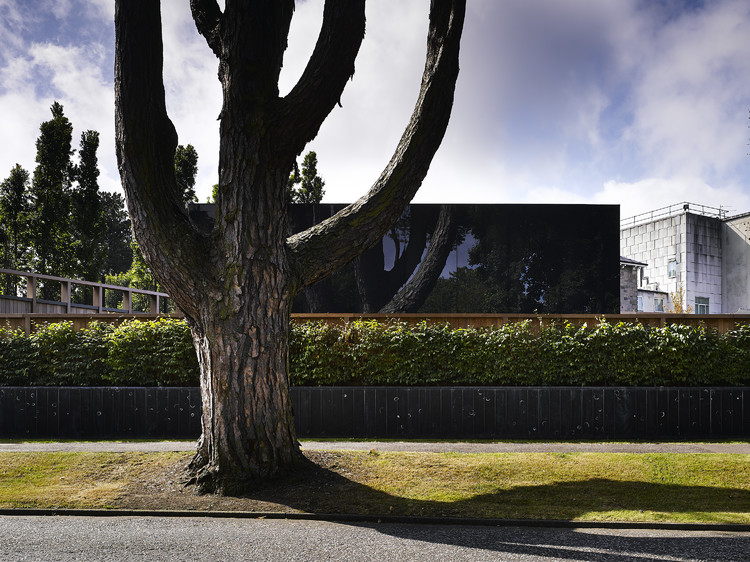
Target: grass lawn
<point x="703" y="487"/>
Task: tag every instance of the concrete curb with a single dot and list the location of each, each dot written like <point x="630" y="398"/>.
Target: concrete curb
<point x="114" y="446"/>
<point x="390" y="519"/>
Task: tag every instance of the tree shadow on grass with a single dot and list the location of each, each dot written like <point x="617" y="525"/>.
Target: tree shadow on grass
<point x="322" y="490"/>
<point x="324" y="487"/>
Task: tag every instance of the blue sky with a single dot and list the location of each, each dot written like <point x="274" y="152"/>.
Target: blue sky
<point x="643" y="103"/>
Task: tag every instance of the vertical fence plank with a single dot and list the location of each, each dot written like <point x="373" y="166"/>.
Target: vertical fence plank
<point x="334" y="413"/>
<point x="641" y="406"/>
<point x="347" y="412"/>
<point x="532" y="412"/>
<point x="623" y="410"/>
<point x="394" y="424"/>
<point x="359" y="412"/>
<point x="597" y="397"/>
<point x="716" y="412"/>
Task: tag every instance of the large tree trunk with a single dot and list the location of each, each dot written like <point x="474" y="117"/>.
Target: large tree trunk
<point x="248" y="429"/>
<point x="235" y="284"/>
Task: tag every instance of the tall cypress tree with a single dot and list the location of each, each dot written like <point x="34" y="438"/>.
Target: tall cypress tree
<point x="86" y="216"/>
<point x="14" y="209"/>
<point x="50" y="199"/>
<point x="117" y="233"/>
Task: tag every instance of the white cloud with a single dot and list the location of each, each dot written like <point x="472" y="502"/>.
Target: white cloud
<point x="692" y="92"/>
<point x="626" y="102"/>
<point x="653" y="193"/>
<point x="193" y="91"/>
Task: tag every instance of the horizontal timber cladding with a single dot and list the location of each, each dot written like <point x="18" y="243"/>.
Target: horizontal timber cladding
<point x="544" y="413"/>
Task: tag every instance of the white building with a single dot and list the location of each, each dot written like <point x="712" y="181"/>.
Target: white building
<point x="695" y="248"/>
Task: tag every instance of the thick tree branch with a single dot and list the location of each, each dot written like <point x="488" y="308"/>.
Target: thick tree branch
<point x="319" y="250"/>
<point x="254" y="37"/>
<point x="146" y="142"/>
<point x="207" y="17"/>
<point x="331" y="65"/>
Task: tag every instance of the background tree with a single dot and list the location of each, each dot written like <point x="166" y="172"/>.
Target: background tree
<point x="137" y="274"/>
<point x="14" y="210"/>
<point x="117" y="235"/>
<point x="186" y="169"/>
<point x="678" y="301"/>
<point x="50" y="200"/>
<point x="235" y="284"/>
<point x="307" y="186"/>
<point x="87" y="223"/>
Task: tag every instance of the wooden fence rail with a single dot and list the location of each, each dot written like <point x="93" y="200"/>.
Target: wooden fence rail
<point x="26" y="311"/>
<point x="720" y="322"/>
<point x="30" y="303"/>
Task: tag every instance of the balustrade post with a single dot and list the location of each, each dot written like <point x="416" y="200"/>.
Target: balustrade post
<point x="31" y="291"/>
<point x="65" y="295"/>
<point x="98" y="297"/>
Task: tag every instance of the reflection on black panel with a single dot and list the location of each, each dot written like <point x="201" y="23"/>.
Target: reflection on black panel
<point x="477" y="258"/>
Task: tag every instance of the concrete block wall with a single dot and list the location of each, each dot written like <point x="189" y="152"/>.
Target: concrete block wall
<point x="656" y="243"/>
<point x="736" y="264"/>
<point x="703" y="251"/>
<point x="695" y="243"/>
<point x="628" y="288"/>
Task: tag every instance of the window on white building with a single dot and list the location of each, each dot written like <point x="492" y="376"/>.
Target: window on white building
<point x="640" y="303"/>
<point x="658" y="304"/>
<point x="672" y="269"/>
<point x="701" y="305"/>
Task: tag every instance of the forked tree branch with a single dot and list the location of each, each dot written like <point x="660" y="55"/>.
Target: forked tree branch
<point x="207" y="16"/>
<point x="331" y="65"/>
<point x="321" y="249"/>
<point x="146" y="141"/>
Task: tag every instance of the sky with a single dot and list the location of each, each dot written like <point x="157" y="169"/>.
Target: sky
<point x="641" y="103"/>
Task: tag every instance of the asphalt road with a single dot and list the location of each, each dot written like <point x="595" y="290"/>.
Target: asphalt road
<point x="167" y="538"/>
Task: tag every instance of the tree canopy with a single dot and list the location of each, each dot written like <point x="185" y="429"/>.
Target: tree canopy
<point x="59" y="222"/>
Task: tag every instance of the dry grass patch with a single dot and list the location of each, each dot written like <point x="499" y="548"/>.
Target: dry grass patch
<point x="73" y="480"/>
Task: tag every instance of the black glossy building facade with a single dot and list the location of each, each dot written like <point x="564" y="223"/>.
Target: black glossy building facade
<point x="546" y="259"/>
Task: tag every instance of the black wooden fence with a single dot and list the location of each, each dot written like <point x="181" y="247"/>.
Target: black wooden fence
<point x="545" y="413"/>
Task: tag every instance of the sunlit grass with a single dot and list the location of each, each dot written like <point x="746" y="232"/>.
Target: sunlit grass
<point x="72" y="480"/>
<point x="704" y="487"/>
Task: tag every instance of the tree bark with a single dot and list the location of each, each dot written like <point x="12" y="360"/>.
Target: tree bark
<point x="236" y="283"/>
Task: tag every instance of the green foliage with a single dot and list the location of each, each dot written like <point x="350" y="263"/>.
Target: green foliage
<point x="87" y="222"/>
<point x="623" y="354"/>
<point x="160" y="353"/>
<point x="156" y="353"/>
<point x="185" y="169"/>
<point x="14" y="215"/>
<point x="60" y="223"/>
<point x="307" y="186"/>
<point x="118" y="235"/>
<point x="49" y="225"/>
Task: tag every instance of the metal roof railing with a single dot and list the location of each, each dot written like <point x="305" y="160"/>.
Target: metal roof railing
<point x="674" y="210"/>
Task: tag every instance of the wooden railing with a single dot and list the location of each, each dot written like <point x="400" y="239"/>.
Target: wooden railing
<point x="720" y="322"/>
<point x="32" y="304"/>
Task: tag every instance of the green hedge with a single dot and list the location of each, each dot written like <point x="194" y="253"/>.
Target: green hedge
<point x="156" y="353"/>
<point x="160" y="353"/>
